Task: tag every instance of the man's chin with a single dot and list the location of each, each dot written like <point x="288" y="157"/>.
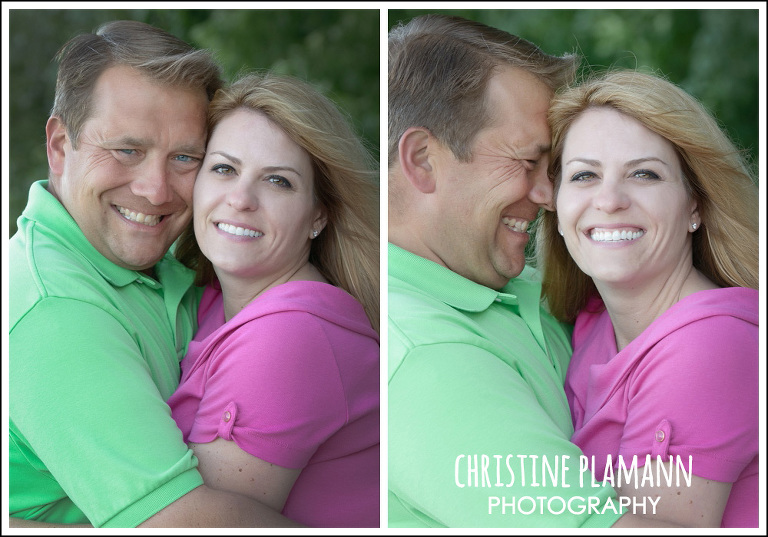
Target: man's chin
<point x="139" y="261"/>
<point x="509" y="272"/>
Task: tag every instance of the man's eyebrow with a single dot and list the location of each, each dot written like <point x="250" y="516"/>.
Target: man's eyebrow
<point x="129" y="141"/>
<point x="192" y="149"/>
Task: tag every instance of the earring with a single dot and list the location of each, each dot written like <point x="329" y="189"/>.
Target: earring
<point x="694" y="226"/>
<point x="315" y="233"/>
<point x="560" y="231"/>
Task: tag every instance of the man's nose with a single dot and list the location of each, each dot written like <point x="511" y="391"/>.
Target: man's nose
<point x="542" y="191"/>
<point x="153" y="183"/>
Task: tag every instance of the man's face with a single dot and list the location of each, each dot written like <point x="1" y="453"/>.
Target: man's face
<point x="129" y="183"/>
<point x="484" y="206"/>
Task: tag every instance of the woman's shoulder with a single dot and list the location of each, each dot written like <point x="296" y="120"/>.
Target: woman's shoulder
<point x="712" y="306"/>
<point x="717" y="326"/>
<point x="307" y="300"/>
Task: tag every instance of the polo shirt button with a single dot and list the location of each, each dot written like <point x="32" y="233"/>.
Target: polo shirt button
<point x="659" y="436"/>
<point x="227" y="416"/>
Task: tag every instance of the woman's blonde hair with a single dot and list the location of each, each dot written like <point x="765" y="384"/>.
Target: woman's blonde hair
<point x="346" y="182"/>
<point x="716" y="174"/>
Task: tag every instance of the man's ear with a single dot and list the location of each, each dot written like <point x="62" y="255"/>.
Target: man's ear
<point x="56" y="139"/>
<point x="414" y="154"/>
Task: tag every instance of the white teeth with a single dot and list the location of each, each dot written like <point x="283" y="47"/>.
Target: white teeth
<point x="616" y="235"/>
<point x="515" y="224"/>
<point x="239" y="231"/>
<point x="141" y="218"/>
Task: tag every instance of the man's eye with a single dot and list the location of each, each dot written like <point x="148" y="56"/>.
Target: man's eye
<point x="185" y="158"/>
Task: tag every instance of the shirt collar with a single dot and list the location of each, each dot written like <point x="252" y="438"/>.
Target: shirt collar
<point x="523" y="293"/>
<point x="454" y="289"/>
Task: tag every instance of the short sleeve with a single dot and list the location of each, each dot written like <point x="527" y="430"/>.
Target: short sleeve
<point x="273" y="387"/>
<point x="696" y="394"/>
<point x="83" y="399"/>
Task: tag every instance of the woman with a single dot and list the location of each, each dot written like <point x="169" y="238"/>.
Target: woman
<point x="279" y="396"/>
<point x="652" y="251"/>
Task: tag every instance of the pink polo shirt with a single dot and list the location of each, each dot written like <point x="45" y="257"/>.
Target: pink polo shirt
<point x="293" y="379"/>
<point x="688" y="385"/>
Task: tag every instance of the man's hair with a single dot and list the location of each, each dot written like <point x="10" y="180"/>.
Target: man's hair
<point x="345" y="181"/>
<point x="715" y="174"/>
<point x="439" y="68"/>
<point x="153" y="52"/>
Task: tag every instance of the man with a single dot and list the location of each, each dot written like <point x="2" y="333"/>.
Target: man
<point x="479" y="425"/>
<point x="100" y="313"/>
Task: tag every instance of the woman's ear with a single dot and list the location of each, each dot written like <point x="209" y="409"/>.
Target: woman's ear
<point x="694" y="221"/>
<point x="318" y="224"/>
<point x="414" y="153"/>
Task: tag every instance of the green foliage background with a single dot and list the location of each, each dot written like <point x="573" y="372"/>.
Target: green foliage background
<point x="336" y="50"/>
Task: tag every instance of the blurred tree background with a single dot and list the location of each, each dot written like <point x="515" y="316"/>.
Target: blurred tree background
<point x="336" y="50"/>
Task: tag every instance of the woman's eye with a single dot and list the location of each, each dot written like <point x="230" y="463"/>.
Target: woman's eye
<point x="582" y="176"/>
<point x="279" y="180"/>
<point x="223" y="169"/>
<point x="645" y="174"/>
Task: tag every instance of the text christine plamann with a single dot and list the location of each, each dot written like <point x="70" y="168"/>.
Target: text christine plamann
<point x="534" y="474"/>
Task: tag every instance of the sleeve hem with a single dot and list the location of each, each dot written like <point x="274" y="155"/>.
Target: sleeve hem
<point x="703" y="464"/>
<point x="155" y="501"/>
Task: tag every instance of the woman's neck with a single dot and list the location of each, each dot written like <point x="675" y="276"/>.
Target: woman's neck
<point x="237" y="292"/>
<point x="633" y="309"/>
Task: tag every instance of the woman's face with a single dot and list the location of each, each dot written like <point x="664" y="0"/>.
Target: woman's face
<point x="254" y="208"/>
<point x="622" y="206"/>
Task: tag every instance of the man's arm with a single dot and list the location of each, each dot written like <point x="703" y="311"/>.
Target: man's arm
<point x="103" y="430"/>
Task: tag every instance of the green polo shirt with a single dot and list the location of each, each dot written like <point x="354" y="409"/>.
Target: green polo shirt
<point x="479" y="424"/>
<point x="94" y="352"/>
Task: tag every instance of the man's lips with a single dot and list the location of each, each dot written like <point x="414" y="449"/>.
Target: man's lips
<point x="150" y="220"/>
<point x="516" y="224"/>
